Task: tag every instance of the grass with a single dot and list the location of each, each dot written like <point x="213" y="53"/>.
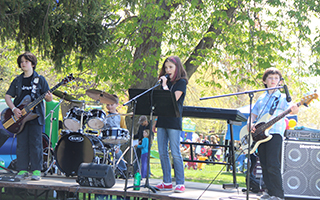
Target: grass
<point x="215" y="174"/>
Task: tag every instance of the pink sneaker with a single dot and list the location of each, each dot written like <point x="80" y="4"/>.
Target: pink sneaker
<point x="162" y="186"/>
<point x="180" y="188"/>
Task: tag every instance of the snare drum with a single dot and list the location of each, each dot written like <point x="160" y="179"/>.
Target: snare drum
<point x="96" y="119"/>
<point x="115" y="135"/>
<point x="75" y="148"/>
<point x="72" y="121"/>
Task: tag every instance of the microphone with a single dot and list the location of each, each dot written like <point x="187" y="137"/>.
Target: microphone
<point x="167" y="76"/>
<point x="288" y="97"/>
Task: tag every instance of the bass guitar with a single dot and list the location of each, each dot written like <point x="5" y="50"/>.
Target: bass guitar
<point x="15" y="125"/>
<point x="261" y="134"/>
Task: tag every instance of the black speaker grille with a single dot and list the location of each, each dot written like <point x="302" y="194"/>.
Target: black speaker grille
<point x="315" y="158"/>
<point x="315" y="184"/>
<point x="300" y="169"/>
<point x="294" y="182"/>
<point x="294" y="156"/>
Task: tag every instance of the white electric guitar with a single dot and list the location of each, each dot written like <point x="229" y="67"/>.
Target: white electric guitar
<point x="261" y="134"/>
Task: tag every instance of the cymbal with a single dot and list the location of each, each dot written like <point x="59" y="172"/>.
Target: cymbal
<point x="101" y="96"/>
<point x="65" y="96"/>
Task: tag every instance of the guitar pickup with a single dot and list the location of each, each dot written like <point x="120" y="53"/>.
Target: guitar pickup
<point x="13" y="118"/>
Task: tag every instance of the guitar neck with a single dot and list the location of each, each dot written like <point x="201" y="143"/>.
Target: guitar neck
<point x="277" y="118"/>
<point x="31" y="105"/>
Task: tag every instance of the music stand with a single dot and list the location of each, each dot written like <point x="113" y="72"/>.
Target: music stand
<point x="157" y="102"/>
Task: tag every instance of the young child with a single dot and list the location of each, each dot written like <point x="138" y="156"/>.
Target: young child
<point x="270" y="151"/>
<point x="143" y="124"/>
<point x="113" y="121"/>
<point x="144" y="146"/>
<point x="29" y="140"/>
<point x="113" y="118"/>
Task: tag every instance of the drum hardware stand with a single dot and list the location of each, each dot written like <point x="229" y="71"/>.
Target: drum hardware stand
<point x="114" y="163"/>
<point x="135" y="160"/>
<point x="49" y="166"/>
<point x="134" y="104"/>
<point x="81" y="121"/>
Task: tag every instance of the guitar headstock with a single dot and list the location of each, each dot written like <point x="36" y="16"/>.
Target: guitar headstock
<point x="67" y="79"/>
<point x="307" y="99"/>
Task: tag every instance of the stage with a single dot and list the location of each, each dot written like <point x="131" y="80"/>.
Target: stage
<point x="64" y="185"/>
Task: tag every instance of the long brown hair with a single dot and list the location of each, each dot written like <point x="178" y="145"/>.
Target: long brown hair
<point x="180" y="71"/>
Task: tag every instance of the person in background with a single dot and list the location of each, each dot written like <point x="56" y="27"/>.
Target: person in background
<point x="143" y="125"/>
<point x="214" y="149"/>
<point x="169" y="128"/>
<point x="198" y="147"/>
<point x="29" y="140"/>
<point x="144" y="153"/>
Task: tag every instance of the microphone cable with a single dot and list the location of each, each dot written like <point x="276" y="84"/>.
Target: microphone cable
<point x="219" y="174"/>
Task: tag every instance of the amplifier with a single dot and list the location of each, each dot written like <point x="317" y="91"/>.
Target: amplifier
<point x="302" y="135"/>
<point x="301" y="169"/>
<point x="96" y="175"/>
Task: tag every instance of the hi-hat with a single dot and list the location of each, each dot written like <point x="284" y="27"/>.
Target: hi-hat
<point x="101" y="96"/>
<point x="65" y="96"/>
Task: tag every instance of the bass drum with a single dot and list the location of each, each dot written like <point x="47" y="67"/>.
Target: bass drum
<point x="75" y="148"/>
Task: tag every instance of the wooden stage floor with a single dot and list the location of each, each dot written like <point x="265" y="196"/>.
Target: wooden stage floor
<point x="69" y="184"/>
<point x="193" y="190"/>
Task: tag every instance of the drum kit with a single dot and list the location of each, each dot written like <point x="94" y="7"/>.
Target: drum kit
<point x="97" y="144"/>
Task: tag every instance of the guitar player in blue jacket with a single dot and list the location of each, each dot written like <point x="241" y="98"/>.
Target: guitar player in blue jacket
<point x="273" y="103"/>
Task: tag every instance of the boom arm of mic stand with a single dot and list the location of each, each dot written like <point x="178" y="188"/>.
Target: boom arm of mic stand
<point x="238" y="93"/>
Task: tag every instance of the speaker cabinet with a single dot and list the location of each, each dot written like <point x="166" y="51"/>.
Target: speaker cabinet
<point x="96" y="175"/>
<point x="301" y="169"/>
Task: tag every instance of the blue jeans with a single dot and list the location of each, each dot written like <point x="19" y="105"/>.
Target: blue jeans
<point x="164" y="136"/>
<point x="144" y="165"/>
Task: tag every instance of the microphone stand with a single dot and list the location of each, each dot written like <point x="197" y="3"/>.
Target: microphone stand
<point x="134" y="102"/>
<point x="251" y="95"/>
<point x="49" y="165"/>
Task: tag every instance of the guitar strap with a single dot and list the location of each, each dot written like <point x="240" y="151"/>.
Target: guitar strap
<point x="274" y="105"/>
<point x="34" y="88"/>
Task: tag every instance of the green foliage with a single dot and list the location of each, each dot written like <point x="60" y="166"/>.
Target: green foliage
<point x="116" y="45"/>
<point x="58" y="29"/>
